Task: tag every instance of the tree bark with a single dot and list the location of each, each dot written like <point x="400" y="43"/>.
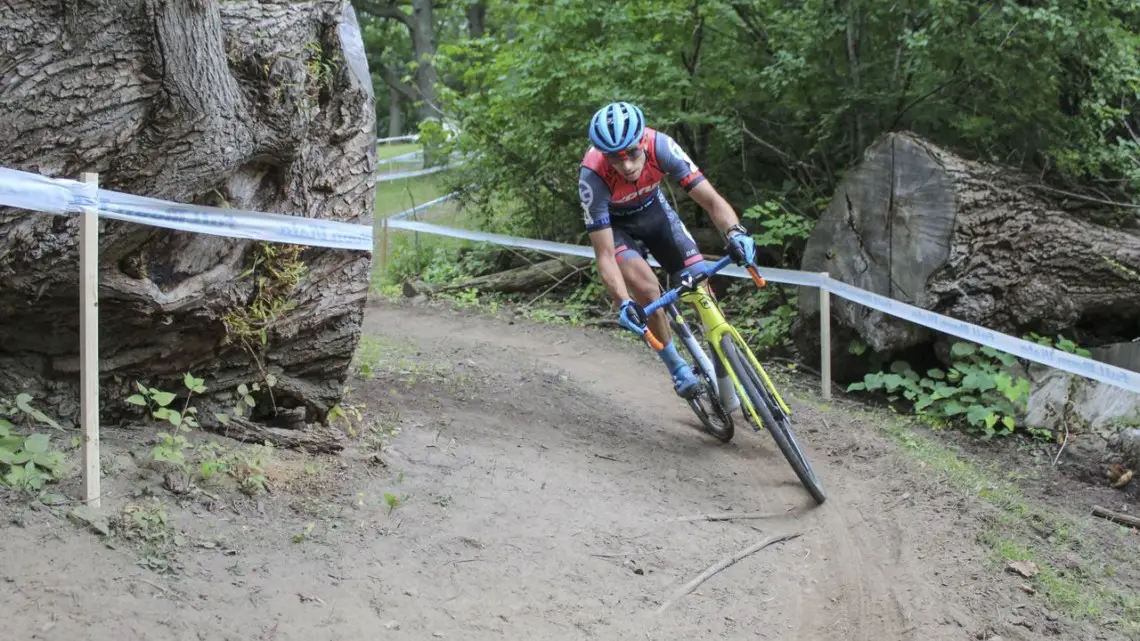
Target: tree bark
<point x="424" y="44"/>
<point x="395" y="114"/>
<point x="971" y="241"/>
<point x="512" y="281"/>
<point x="256" y="105"/>
<point x="476" y="19"/>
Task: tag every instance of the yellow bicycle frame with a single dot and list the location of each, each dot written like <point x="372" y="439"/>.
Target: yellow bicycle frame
<point x="715" y="326"/>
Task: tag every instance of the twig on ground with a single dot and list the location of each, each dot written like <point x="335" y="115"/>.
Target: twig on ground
<point x="1117" y="517"/>
<point x="165" y="591"/>
<point x="721" y="565"/>
<point x="625" y="554"/>
<point x="1063" y="444"/>
<point x="730" y="516"/>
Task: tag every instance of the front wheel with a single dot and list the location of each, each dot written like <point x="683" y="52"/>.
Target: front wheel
<point x="767" y="409"/>
<point x="706" y="403"/>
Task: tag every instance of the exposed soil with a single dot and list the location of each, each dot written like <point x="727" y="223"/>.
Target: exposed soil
<point x="545" y="479"/>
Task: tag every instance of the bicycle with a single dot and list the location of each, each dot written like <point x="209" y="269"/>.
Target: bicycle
<point x="705" y="403"/>
<point x="760" y="402"/>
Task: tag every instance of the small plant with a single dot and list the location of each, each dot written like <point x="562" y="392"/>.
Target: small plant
<point x="1061" y="343"/>
<point x="304" y="535"/>
<point x="975" y="390"/>
<point x="149" y="527"/>
<point x="246" y="401"/>
<point x="352" y="415"/>
<point x="392" y="501"/>
<point x="172" y="446"/>
<point x="26" y="460"/>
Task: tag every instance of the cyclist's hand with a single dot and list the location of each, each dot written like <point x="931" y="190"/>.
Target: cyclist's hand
<point x="632" y="317"/>
<point x="741" y="247"/>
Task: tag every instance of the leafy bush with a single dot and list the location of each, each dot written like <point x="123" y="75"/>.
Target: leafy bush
<point x="976" y="391"/>
<point x="26" y="461"/>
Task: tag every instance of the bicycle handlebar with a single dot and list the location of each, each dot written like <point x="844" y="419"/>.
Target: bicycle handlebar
<point x="673" y="295"/>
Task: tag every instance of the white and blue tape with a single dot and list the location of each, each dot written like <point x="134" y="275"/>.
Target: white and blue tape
<point x="61" y="196"/>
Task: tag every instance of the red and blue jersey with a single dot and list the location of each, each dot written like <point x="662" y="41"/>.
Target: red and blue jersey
<point x="605" y="193"/>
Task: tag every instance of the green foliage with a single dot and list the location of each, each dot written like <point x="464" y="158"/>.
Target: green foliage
<point x="977" y="392"/>
<point x="1060" y="343"/>
<point x="171" y="447"/>
<point x="773" y="99"/>
<point x="777" y="227"/>
<point x="763" y="316"/>
<point x="26" y="460"/>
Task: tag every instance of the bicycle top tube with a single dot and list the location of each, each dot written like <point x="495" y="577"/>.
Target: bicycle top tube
<point x="673" y="295"/>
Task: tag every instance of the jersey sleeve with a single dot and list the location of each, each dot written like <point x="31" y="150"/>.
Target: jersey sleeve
<point x="594" y="196"/>
<point x="675" y="162"/>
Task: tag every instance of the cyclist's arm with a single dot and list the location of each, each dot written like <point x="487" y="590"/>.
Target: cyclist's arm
<point x="603" y="242"/>
<point x="677" y="164"/>
<point x="722" y="213"/>
<point x="594" y="197"/>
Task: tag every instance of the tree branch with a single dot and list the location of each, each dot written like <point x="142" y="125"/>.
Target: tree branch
<point x="389" y="10"/>
<point x="397" y="85"/>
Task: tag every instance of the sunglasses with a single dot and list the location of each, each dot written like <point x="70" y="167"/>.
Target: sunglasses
<point x="630" y="153"/>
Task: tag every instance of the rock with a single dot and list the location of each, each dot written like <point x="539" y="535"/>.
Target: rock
<point x="392" y="625"/>
<point x="1128" y="444"/>
<point x="1027" y="569"/>
<point x="91" y="517"/>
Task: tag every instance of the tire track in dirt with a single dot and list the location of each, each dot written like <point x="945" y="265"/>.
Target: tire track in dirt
<point x="845" y="578"/>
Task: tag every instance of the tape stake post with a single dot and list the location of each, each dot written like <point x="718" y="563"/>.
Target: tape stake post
<point x="89" y="343"/>
<point x="825" y="339"/>
<point x="384" y="246"/>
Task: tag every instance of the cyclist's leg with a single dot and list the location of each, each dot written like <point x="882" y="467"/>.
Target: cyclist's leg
<point x="640" y="279"/>
<point x="645" y="289"/>
<point x="673" y="246"/>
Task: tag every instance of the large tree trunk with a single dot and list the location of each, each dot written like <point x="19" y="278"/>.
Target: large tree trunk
<point x="476" y="19"/>
<point x="256" y="105"/>
<point x="972" y="241"/>
<point x="395" y="114"/>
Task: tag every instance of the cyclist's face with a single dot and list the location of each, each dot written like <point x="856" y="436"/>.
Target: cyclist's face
<point x="629" y="162"/>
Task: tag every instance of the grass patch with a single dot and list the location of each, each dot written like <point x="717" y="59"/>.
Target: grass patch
<point x="384" y="152"/>
<point x="1078" y="575"/>
<point x="394" y="196"/>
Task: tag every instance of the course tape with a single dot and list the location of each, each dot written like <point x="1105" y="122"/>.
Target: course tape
<point x="418" y="208"/>
<point x="380" y="141"/>
<point x="1052" y="357"/>
<point x="418" y="172"/>
<point x="1072" y="363"/>
<point x="402" y="158"/>
<point x="62" y="196"/>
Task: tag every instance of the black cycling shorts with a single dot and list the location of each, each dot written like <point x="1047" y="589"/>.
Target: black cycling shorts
<point x="657" y="231"/>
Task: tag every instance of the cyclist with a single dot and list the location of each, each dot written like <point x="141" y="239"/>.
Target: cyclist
<point x="626" y="215"/>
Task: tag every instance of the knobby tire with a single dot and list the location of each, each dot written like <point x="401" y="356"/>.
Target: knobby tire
<point x="765" y="405"/>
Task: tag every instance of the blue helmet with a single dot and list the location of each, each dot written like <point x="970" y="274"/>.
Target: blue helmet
<point x="616" y="126"/>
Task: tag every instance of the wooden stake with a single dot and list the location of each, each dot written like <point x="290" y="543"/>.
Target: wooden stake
<point x="825" y="340"/>
<point x="89" y="344"/>
<point x="384" y="245"/>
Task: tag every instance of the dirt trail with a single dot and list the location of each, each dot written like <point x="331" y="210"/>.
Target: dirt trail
<point x="543" y="474"/>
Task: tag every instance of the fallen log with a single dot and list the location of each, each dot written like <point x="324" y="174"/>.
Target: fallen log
<point x="972" y="241"/>
<point x="315" y="438"/>
<point x="1116" y="517"/>
<point x="511" y="281"/>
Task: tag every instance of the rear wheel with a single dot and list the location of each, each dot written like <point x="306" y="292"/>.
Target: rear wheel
<point x="772" y="416"/>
